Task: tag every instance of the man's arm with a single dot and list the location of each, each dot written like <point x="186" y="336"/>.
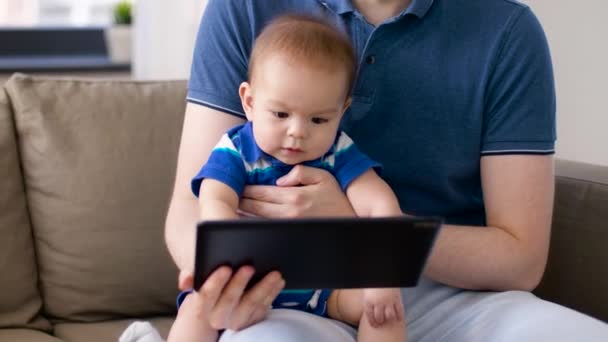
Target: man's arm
<point x="202" y="128"/>
<point x="511" y="253"/>
<point x="518" y="115"/>
<point x="222" y="301"/>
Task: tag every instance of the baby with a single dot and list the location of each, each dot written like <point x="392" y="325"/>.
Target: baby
<point x="301" y="72"/>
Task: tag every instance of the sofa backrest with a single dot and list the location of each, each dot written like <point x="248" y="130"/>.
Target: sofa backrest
<point x="20" y="301"/>
<point x="98" y="162"/>
<point x="577" y="270"/>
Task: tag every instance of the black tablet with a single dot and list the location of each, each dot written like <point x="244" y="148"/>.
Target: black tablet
<point x="320" y="253"/>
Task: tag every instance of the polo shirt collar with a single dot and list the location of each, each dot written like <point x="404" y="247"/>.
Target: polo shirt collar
<point x="339" y="6"/>
<point x="418" y="8"/>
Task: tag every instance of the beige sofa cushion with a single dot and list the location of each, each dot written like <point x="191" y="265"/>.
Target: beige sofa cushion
<point x="20" y="300"/>
<point x="25" y="335"/>
<point x="98" y="160"/>
<point x="106" y="331"/>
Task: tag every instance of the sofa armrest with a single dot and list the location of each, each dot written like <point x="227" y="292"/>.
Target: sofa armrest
<point x="577" y="269"/>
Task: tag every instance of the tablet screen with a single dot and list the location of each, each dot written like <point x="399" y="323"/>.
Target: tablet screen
<point x="320" y="253"/>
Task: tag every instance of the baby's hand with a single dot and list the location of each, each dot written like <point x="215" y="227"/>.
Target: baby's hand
<point x="382" y="305"/>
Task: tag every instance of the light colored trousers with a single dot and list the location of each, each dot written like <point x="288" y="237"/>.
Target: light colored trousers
<point x="435" y="312"/>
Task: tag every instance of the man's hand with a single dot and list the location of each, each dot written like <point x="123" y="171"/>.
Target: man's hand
<point x="223" y="302"/>
<point x="303" y="192"/>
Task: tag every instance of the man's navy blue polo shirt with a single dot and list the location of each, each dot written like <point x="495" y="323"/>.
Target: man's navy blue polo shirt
<point x="439" y="86"/>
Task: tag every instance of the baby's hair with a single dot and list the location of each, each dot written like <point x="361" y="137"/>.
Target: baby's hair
<point x="305" y="39"/>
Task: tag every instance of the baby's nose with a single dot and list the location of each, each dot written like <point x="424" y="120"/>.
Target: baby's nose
<point x="298" y="129"/>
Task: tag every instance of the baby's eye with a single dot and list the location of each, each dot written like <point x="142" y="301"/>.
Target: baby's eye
<point x="280" y="115"/>
<point x="319" y="121"/>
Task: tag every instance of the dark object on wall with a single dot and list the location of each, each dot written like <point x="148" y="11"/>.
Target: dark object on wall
<point x="55" y="49"/>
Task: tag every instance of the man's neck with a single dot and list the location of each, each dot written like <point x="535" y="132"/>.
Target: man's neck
<point x="377" y="11"/>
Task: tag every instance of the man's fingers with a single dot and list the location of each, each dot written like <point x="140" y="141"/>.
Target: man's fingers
<point x="257" y="316"/>
<point x="301" y="175"/>
<point x="262" y="209"/>
<point x="211" y="290"/>
<point x="256" y="298"/>
<point x="267" y="302"/>
<point x="265" y="193"/>
<point x="230" y="297"/>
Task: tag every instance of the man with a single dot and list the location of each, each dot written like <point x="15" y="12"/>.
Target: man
<point x="456" y="100"/>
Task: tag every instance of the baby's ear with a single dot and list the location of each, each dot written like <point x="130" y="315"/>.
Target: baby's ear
<point x="246" y="99"/>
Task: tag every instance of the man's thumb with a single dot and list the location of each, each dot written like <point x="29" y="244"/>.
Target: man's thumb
<point x="300" y="175"/>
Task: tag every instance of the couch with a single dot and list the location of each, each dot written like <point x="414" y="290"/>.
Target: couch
<point x="86" y="172"/>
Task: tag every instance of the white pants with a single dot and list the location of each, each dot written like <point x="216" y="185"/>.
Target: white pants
<point x="435" y="312"/>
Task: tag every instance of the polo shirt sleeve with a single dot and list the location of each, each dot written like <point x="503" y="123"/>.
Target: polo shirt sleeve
<point x="350" y="162"/>
<point x="221" y="54"/>
<point x="520" y="99"/>
<point x="225" y="165"/>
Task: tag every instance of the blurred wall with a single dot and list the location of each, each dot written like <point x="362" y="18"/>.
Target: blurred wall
<point x="164" y="34"/>
<point x="578" y="37"/>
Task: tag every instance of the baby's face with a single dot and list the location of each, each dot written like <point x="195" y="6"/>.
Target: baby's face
<point x="295" y="110"/>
